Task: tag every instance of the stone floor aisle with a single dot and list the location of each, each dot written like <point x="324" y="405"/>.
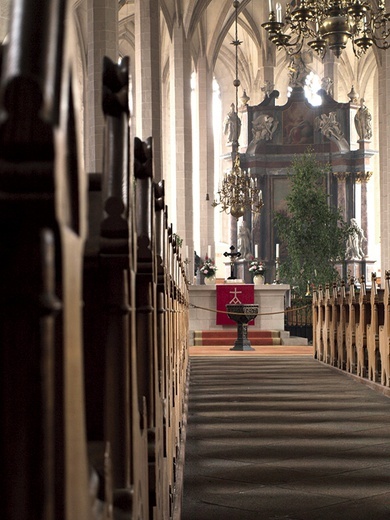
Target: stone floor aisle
<point x="284" y="438"/>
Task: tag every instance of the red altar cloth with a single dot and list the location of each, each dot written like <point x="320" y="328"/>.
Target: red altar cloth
<point x="233" y="293"/>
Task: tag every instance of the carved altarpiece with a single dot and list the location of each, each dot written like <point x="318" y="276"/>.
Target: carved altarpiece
<point x="275" y="134"/>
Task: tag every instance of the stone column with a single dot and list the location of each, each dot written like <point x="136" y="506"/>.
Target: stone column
<point x="205" y="152"/>
<point x="331" y="67"/>
<point x="180" y="203"/>
<point x="363" y="178"/>
<point x="102" y="20"/>
<point x="269" y="55"/>
<point x="342" y="192"/>
<point x="384" y="152"/>
<point x="148" y="77"/>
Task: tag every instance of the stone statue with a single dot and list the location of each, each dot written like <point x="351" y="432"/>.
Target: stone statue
<point x="197" y="262"/>
<point x="263" y="128"/>
<point x="244" y="240"/>
<point x="232" y="125"/>
<point x="363" y="122"/>
<point x="267" y="88"/>
<point x="355" y="241"/>
<point x="299" y="69"/>
<point x="327" y="85"/>
<point x="329" y="126"/>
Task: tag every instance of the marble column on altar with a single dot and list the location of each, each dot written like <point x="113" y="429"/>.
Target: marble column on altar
<point x="342" y="192"/>
<point x="362" y="178"/>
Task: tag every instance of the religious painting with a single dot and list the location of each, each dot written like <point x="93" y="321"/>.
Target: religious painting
<point x="280" y="189"/>
<point x="298" y="124"/>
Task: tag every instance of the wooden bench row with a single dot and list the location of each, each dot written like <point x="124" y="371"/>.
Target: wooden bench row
<point x="351" y="328"/>
<point x="93" y="297"/>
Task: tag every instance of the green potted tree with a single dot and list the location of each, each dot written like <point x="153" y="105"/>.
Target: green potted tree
<point x="313" y="233"/>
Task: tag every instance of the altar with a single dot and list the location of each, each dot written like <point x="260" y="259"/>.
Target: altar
<point x="272" y="300"/>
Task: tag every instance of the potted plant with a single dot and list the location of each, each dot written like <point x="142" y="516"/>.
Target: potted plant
<point x="257" y="268"/>
<point x="312" y="231"/>
<point x="208" y="269"/>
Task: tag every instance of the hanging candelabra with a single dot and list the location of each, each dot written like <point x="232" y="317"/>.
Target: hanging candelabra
<point x="329" y="24"/>
<point x="238" y="191"/>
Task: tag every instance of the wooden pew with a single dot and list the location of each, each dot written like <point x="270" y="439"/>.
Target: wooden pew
<point x="146" y="306"/>
<point x="333" y="326"/>
<point x="377" y="320"/>
<point x="325" y="324"/>
<point x="318" y="319"/>
<point x="384" y="335"/>
<point x="342" y="311"/>
<point x="164" y="475"/>
<point x="363" y="318"/>
<point x="109" y="279"/>
<point x="315" y="320"/>
<point x="45" y="471"/>
<point x="350" y="332"/>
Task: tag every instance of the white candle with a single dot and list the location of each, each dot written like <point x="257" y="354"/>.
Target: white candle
<point x="277" y="251"/>
<point x="256" y="251"/>
<point x="278" y="12"/>
<point x="271" y="7"/>
<point x="187" y="252"/>
<point x="209" y="251"/>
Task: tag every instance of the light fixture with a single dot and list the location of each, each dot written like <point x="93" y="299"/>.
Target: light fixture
<point x="239" y="191"/>
<point x="329" y="24"/>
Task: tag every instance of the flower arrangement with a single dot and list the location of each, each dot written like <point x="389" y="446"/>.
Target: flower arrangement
<point x="208" y="268"/>
<point x="257" y="267"/>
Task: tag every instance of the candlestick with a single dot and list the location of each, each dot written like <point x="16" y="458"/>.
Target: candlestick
<point x="256" y="251"/>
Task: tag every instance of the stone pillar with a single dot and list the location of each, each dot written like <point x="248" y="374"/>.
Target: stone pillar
<point x="205" y="152"/>
<point x="342" y="192"/>
<point x="269" y="56"/>
<point x="384" y="152"/>
<point x="148" y="113"/>
<point x="331" y="67"/>
<point x="180" y="203"/>
<point x="102" y="20"/>
<point x="363" y="178"/>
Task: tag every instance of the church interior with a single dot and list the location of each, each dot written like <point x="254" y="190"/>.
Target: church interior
<point x="145" y="148"/>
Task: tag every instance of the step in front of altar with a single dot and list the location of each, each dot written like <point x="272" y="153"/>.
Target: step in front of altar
<point x="227" y="337"/>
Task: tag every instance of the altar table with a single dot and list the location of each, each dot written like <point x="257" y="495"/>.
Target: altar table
<point x="270" y="298"/>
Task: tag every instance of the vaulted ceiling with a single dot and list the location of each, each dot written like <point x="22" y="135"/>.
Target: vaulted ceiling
<point x="209" y="26"/>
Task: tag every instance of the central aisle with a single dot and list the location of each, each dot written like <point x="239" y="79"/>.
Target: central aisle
<point x="284" y="438"/>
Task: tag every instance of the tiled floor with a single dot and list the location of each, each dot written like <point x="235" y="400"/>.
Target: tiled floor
<point x="284" y="438"/>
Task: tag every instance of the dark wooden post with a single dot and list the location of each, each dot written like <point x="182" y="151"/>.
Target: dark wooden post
<point x="42" y="225"/>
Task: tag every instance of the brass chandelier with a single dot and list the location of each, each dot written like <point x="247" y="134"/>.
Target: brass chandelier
<point x="239" y="191"/>
<point x="329" y="24"/>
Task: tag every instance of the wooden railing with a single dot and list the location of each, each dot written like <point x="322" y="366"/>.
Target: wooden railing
<point x="93" y="298"/>
<point x="351" y="328"/>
